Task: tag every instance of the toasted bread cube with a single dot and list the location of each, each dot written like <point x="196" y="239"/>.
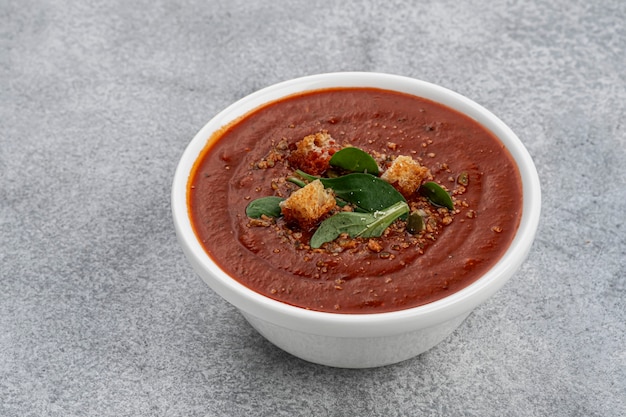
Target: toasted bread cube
<point x="313" y="153"/>
<point x="406" y="174"/>
<point x="308" y="204"/>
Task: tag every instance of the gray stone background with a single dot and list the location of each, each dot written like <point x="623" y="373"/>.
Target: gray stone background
<point x="101" y="315"/>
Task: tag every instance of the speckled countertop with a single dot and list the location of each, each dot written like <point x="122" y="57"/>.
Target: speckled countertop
<point x="101" y="314"/>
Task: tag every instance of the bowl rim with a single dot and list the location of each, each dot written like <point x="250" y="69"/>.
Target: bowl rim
<point x="368" y="324"/>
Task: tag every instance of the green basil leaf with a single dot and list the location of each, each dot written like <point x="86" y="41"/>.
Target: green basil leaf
<point x="357" y="224"/>
<point x="436" y="195"/>
<point x="367" y="192"/>
<point x="354" y="160"/>
<point x="268" y="206"/>
<point x="415" y="223"/>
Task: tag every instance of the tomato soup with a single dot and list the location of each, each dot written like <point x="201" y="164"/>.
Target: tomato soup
<point x="402" y="268"/>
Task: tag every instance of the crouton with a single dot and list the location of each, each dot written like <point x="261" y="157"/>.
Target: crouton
<point x="313" y="153"/>
<point x="405" y="174"/>
<point x="308" y="204"/>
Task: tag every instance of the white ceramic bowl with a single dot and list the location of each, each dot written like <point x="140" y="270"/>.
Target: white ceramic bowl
<point x="358" y="340"/>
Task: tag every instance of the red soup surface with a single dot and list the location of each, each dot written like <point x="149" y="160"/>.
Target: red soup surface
<point x="250" y="159"/>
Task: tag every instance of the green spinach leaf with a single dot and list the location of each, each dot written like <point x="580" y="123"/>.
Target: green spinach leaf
<point x="365" y="191"/>
<point x="268" y="206"/>
<point x="357" y="224"/>
<point x="354" y="160"/>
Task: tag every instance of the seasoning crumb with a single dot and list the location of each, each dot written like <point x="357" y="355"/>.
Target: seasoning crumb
<point x="459" y="190"/>
<point x="496" y="229"/>
<point x="374" y="246"/>
<point x="263" y="221"/>
<point x="463" y="178"/>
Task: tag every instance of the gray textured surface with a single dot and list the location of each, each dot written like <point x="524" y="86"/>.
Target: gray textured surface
<point x="100" y="314"/>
